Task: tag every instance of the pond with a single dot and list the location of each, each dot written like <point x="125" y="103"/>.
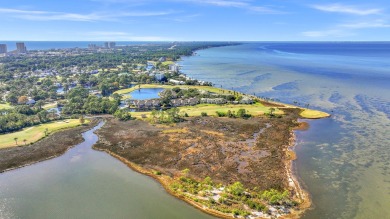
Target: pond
<point x="145" y="93"/>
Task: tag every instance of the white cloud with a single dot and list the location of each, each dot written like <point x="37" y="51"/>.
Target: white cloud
<point x="53" y="16"/>
<point x="17" y="11"/>
<point x="347" y="9"/>
<point x="106" y="33"/>
<point x="225" y="3"/>
<point x="184" y="18"/>
<point x="344" y="29"/>
<point x="243" y="4"/>
<point x="326" y="33"/>
<point x="363" y="25"/>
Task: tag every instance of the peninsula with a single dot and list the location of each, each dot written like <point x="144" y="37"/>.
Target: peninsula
<point x="225" y="152"/>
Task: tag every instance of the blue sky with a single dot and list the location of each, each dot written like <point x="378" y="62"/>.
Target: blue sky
<point x="187" y="20"/>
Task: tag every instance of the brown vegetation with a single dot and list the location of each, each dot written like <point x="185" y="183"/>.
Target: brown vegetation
<point x="251" y="151"/>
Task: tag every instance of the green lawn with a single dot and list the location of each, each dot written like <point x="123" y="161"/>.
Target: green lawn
<point x="5" y="106"/>
<point x="168" y="63"/>
<point x="313" y="114"/>
<point x="49" y="106"/>
<point x="210" y="109"/>
<point x="255" y="109"/>
<point x="35" y="133"/>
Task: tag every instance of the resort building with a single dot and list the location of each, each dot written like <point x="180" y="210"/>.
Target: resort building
<point x="109" y="45"/>
<point x="21" y="48"/>
<point x="160" y="77"/>
<point x="213" y="100"/>
<point x="176" y="82"/>
<point x="174" y="68"/>
<point x="92" y="46"/>
<point x="3" y="48"/>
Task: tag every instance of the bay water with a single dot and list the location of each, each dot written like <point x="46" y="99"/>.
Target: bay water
<point x="84" y="183"/>
<point x="343" y="161"/>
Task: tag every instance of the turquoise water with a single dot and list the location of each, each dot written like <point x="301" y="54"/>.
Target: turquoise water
<point x="343" y="161"/>
<point x="84" y="183"/>
<point x="145" y="93"/>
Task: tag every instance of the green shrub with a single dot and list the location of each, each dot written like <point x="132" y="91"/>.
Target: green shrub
<point x="236" y="189"/>
<point x="274" y="196"/>
<point x="122" y="114"/>
<point x="220" y="114"/>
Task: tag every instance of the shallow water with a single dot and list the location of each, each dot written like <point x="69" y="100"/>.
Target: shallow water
<point x="344" y="161"/>
<point x="84" y="183"/>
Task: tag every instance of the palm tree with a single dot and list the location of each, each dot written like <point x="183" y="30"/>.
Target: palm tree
<point x="81" y="119"/>
<point x="16" y="140"/>
<point x="271" y="111"/>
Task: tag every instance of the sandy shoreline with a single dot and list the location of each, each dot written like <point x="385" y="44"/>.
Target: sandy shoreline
<point x="303" y="195"/>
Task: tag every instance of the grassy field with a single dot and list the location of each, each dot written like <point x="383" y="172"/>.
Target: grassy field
<point x="35" y="133"/>
<point x="49" y="106"/>
<point x="313" y="114"/>
<point x="5" y="106"/>
<point x="255" y="109"/>
<point x="167" y="63"/>
<point x="210" y="109"/>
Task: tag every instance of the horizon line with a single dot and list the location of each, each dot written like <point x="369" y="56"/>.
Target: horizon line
<point x="184" y="41"/>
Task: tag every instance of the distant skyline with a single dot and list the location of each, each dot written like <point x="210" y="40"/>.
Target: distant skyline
<point x="194" y="20"/>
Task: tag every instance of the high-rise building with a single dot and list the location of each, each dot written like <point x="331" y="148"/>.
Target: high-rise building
<point x="174" y="68"/>
<point x="3" y="48"/>
<point x="92" y="46"/>
<point x="21" y="48"/>
<point x="111" y="45"/>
